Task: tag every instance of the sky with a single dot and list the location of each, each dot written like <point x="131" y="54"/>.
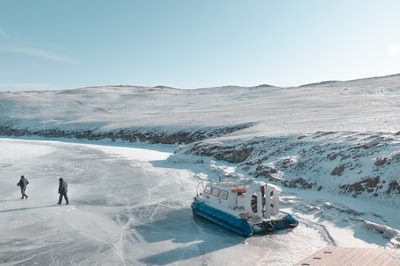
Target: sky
<point x="50" y="45"/>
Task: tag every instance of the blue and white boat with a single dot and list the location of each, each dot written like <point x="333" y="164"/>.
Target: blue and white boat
<point x="245" y="206"/>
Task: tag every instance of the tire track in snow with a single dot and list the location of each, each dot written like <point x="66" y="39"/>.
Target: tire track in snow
<point x="380" y="91"/>
<point x="318" y="227"/>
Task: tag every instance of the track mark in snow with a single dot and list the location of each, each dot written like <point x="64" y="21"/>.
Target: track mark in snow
<point x="380" y="91"/>
<point x="320" y="228"/>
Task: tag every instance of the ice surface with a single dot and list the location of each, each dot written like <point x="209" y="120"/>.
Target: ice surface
<point x="131" y="206"/>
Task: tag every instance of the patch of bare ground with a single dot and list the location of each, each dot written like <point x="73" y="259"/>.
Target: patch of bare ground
<point x="369" y="185"/>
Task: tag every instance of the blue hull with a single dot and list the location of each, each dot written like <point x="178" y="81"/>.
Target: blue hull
<point x="226" y="220"/>
<point x="238" y="225"/>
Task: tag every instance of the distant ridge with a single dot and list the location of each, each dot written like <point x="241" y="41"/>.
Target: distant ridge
<point x="339" y="82"/>
<point x="263" y="86"/>
<point x="322" y="83"/>
<point x="313" y="84"/>
<point x="163" y="87"/>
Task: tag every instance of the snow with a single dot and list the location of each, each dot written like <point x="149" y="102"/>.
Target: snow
<point x="361" y="105"/>
<point x="130" y="202"/>
<point x="131" y="206"/>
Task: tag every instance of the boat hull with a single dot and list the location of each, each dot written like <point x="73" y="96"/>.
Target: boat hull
<point x="226" y="220"/>
<point x="238" y="225"/>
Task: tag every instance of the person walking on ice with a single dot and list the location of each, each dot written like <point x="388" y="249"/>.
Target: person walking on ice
<point x="62" y="190"/>
<point x="23" y="183"/>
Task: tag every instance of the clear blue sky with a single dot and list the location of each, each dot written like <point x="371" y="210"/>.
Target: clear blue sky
<point x="50" y="44"/>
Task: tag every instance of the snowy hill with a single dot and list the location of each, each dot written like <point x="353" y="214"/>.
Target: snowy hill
<point x="360" y="164"/>
<point x="336" y="136"/>
<point x="333" y="146"/>
<point x="360" y="105"/>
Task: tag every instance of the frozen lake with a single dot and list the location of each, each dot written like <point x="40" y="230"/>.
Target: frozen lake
<point x="131" y="206"/>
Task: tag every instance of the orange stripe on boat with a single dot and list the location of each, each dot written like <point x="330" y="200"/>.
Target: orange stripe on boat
<point x="239" y="190"/>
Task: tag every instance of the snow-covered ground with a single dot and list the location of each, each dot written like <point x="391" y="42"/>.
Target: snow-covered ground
<point x="131" y="206"/>
<point x="333" y="146"/>
<point x="360" y="105"/>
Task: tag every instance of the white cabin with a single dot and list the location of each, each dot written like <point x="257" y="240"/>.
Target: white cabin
<point x="247" y="198"/>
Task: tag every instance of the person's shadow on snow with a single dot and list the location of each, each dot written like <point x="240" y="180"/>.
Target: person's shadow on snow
<point x="26" y="208"/>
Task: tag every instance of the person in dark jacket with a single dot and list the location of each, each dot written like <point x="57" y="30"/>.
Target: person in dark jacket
<point x="23" y="183"/>
<point x="62" y="190"/>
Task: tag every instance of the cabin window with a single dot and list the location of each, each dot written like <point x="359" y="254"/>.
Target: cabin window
<point x="223" y="194"/>
<point x="215" y="192"/>
<point x="207" y="190"/>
